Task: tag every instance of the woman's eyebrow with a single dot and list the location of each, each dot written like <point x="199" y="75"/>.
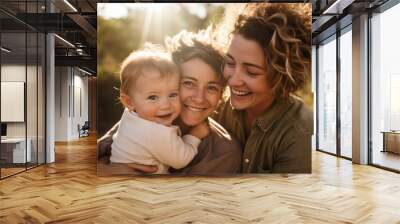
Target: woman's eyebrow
<point x="229" y="56"/>
<point x="246" y="63"/>
<point x="253" y="65"/>
<point x="188" y="77"/>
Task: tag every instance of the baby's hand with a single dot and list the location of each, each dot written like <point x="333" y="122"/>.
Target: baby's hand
<point x="200" y="131"/>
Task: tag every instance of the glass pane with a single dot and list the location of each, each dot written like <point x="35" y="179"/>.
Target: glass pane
<point x="385" y="86"/>
<point x="327" y="97"/>
<point x="31" y="96"/>
<point x="14" y="153"/>
<point x="346" y="94"/>
<point x="23" y="82"/>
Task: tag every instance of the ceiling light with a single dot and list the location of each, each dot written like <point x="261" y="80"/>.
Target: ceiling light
<point x="86" y="72"/>
<point x="71" y="6"/>
<point x="80" y="51"/>
<point x="337" y="7"/>
<point x="5" y="50"/>
<point x="64" y="40"/>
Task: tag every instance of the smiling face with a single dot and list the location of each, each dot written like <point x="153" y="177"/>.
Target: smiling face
<point x="200" y="91"/>
<point x="155" y="97"/>
<point x="245" y="71"/>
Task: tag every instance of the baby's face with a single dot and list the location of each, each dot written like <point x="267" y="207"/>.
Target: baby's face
<point x="156" y="98"/>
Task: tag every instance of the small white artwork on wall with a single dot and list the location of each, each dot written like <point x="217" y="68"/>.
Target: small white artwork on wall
<point x="12" y="101"/>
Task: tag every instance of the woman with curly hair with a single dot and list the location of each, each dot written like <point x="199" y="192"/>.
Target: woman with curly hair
<point x="267" y="62"/>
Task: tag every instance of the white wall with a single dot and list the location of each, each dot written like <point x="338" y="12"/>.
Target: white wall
<point x="62" y="81"/>
<point x="70" y="84"/>
<point x="14" y="73"/>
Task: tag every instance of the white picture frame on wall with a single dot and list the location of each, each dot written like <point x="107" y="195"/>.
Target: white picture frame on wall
<point x="12" y="101"/>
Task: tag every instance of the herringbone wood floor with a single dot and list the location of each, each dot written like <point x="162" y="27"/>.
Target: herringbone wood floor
<point x="69" y="191"/>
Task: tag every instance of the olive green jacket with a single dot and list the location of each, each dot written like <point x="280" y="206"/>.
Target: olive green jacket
<point x="279" y="140"/>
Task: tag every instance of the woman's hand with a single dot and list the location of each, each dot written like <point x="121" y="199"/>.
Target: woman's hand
<point x="142" y="168"/>
<point x="104" y="143"/>
<point x="201" y="130"/>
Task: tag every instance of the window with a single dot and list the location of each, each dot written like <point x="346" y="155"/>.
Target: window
<point x="346" y="92"/>
<point x="327" y="96"/>
<point x="385" y="87"/>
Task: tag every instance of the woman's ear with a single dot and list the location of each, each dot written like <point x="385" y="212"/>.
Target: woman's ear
<point x="126" y="101"/>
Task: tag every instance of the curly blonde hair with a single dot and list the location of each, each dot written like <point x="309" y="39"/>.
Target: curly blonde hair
<point x="283" y="30"/>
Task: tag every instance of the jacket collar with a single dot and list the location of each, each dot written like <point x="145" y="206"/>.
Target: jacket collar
<point x="276" y="111"/>
<point x="273" y="113"/>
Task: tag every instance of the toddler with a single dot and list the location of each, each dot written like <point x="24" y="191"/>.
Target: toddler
<point x="150" y="94"/>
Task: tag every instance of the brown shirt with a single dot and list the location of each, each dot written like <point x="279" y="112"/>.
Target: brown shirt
<point x="279" y="140"/>
<point x="218" y="153"/>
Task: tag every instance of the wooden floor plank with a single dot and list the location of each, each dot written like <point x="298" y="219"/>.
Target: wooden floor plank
<point x="69" y="191"/>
